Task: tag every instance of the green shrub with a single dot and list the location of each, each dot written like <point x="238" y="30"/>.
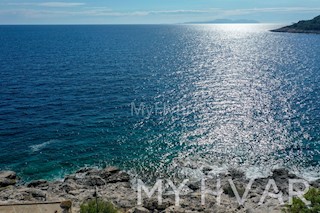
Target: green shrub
<point x="103" y="207"/>
<point x="313" y="195"/>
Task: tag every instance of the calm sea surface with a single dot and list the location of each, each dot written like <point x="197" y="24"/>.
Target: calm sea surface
<point x="158" y="100"/>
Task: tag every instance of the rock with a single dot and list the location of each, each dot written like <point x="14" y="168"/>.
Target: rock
<point x="174" y="209"/>
<point x="95" y="181"/>
<point x="69" y="178"/>
<point x="236" y="174"/>
<point x="281" y="177"/>
<point x="38" y="183"/>
<point x="36" y="193"/>
<point x="8" y="175"/>
<point x="315" y="184"/>
<point x="20" y="196"/>
<point x="4" y="182"/>
<point x="153" y="204"/>
<point x="194" y="186"/>
<point x="282" y="173"/>
<point x="67" y="187"/>
<point x="206" y="169"/>
<point x="7" y="178"/>
<point x="249" y="210"/>
<point x="94" y="172"/>
<point x="106" y="173"/>
<point x="118" y="177"/>
<point x="83" y="170"/>
<point x="140" y="209"/>
<point x="219" y="209"/>
<point x="124" y="203"/>
<point x="74" y="193"/>
<point x="227" y="189"/>
<point x="112" y="170"/>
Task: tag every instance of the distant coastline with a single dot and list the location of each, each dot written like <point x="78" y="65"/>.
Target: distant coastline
<point x="309" y="26"/>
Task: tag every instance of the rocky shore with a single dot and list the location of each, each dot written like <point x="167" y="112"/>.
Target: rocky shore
<point x="292" y="30"/>
<point x="116" y="186"/>
<point x="309" y="26"/>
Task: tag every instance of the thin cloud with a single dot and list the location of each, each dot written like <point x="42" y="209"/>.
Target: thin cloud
<point x="48" y="4"/>
<point x="267" y="10"/>
<point x="85" y="11"/>
<point x="176" y="11"/>
<point x="60" y="4"/>
<point x="94" y="12"/>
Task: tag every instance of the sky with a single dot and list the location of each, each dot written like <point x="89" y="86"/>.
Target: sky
<point x="154" y="11"/>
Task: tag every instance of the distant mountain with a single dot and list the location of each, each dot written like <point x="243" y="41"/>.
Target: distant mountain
<point x="226" y="21"/>
<point x="310" y="26"/>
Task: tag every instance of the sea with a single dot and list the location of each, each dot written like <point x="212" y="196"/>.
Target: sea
<point x="159" y="100"/>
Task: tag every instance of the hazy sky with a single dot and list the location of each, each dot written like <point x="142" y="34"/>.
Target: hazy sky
<point x="153" y="11"/>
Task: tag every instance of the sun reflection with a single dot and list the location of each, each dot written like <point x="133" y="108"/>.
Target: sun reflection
<point x="241" y="112"/>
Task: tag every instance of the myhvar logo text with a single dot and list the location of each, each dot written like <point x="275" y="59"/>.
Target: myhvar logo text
<point x="271" y="190"/>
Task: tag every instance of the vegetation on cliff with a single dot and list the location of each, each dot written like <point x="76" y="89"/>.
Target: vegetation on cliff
<point x="309" y="26"/>
<point x="98" y="206"/>
<point x="298" y="206"/>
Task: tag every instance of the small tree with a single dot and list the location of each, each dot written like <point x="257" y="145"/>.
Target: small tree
<point x="98" y="206"/>
<point x="313" y="195"/>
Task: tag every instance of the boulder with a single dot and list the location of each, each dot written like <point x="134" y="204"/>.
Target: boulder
<point x="94" y="172"/>
<point x="112" y="170"/>
<point x="8" y="175"/>
<point x="118" y="177"/>
<point x="67" y="187"/>
<point x="139" y="209"/>
<point x="105" y="173"/>
<point x="206" y="169"/>
<point x="283" y="174"/>
<point x="94" y="181"/>
<point x="249" y="210"/>
<point x="7" y="178"/>
<point x="280" y="173"/>
<point x="152" y="204"/>
<point x="38" y="183"/>
<point x="4" y="182"/>
<point x="281" y="177"/>
<point x="36" y="193"/>
<point x="173" y="209"/>
<point x="194" y="186"/>
<point x="83" y="170"/>
<point x="236" y="174"/>
<point x="315" y="184"/>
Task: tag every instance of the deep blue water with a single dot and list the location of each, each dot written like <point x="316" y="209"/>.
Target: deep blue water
<point x="218" y="95"/>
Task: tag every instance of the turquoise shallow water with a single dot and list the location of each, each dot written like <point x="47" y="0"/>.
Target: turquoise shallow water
<point x="158" y="100"/>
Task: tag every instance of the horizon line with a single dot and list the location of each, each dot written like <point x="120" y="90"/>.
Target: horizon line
<point x="74" y="24"/>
